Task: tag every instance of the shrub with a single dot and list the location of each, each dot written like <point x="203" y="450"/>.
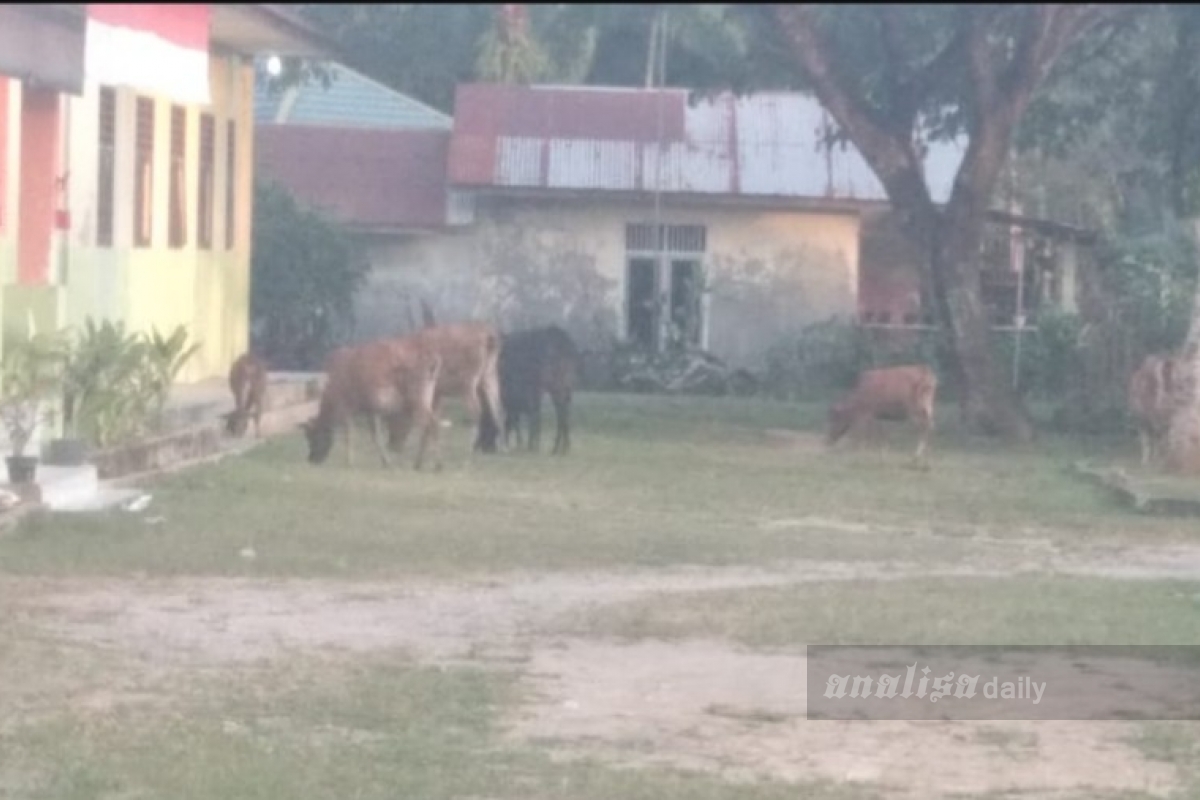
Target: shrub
<point x="117" y="383"/>
<point x="304" y="274"/>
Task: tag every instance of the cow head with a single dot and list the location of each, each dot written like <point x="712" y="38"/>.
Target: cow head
<point x="235" y="423"/>
<point x="320" y="440"/>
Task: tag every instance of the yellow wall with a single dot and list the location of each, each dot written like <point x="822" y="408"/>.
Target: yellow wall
<point x="157" y="286"/>
<point x="770" y="272"/>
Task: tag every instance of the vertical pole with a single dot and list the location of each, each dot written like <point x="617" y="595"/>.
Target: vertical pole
<point x="662" y="277"/>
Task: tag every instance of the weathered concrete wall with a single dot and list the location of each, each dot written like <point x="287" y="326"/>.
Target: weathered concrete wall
<point x="535" y="262"/>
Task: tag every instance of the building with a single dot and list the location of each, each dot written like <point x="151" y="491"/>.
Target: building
<point x="371" y="159"/>
<point x="131" y="200"/>
<point x="625" y="213"/>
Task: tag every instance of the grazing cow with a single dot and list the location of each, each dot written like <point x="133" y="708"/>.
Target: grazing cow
<point x="533" y="363"/>
<point x="387" y="379"/>
<point x="1149" y="399"/>
<point x="890" y="393"/>
<point x="248" y="382"/>
<point x="469" y="352"/>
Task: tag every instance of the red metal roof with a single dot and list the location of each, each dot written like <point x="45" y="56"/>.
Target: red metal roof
<point x="620" y="139"/>
<point x="365" y="178"/>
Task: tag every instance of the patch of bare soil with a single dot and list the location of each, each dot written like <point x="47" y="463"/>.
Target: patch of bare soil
<point x="708" y="706"/>
<point x="711" y="706"/>
<point x="237" y="620"/>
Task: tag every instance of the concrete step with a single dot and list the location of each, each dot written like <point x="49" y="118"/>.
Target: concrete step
<point x="104" y="497"/>
<point x="62" y="487"/>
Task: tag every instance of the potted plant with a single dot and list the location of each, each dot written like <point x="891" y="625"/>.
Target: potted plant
<point x="78" y="380"/>
<point x="30" y="373"/>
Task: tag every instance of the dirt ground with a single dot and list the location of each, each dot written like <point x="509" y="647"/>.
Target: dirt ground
<point x="708" y="705"/>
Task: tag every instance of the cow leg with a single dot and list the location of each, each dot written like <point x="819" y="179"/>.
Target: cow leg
<point x="535" y="423"/>
<point x="398" y="427"/>
<point x="258" y="420"/>
<point x="348" y="437"/>
<point x="427" y="415"/>
<point x="924" y="426"/>
<point x="427" y="419"/>
<point x="491" y="392"/>
<point x="377" y="434"/>
<point x="512" y="426"/>
<point x="562" y="414"/>
<point x="1144" y="441"/>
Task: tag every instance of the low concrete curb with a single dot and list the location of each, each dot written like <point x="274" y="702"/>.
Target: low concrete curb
<point x="1159" y="496"/>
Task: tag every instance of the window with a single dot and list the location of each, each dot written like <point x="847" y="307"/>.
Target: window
<point x="230" y="183"/>
<point x="106" y="159"/>
<point x="204" y="206"/>
<point x="143" y="191"/>
<point x="664" y="284"/>
<point x="177" y="221"/>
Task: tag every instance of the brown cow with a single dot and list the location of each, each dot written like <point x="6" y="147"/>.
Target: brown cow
<point x="469" y="352"/>
<point x="248" y="382"/>
<point x="1149" y="398"/>
<point x="385" y="379"/>
<point x="906" y="392"/>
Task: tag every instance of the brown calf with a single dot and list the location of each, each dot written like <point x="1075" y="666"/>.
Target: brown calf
<point x="248" y="382"/>
<point x="890" y="393"/>
<point x="392" y="379"/>
<point x="1149" y="398"/>
<point x="469" y="352"/>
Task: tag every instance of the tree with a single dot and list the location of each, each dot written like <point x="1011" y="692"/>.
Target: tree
<point x="893" y="77"/>
<point x="508" y="51"/>
<point x="426" y="50"/>
<point x="1179" y="123"/>
<point x="304" y="275"/>
<point x="419" y="49"/>
<point x="1132" y="153"/>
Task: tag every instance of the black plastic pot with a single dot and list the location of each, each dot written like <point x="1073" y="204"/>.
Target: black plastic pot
<point x="66" y="452"/>
<point x="21" y="469"/>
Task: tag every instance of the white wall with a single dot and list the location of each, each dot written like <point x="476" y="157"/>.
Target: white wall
<point x="534" y="262"/>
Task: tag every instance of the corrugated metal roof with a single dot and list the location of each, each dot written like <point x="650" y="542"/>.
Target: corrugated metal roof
<point x="351" y="100"/>
<point x="764" y="145"/>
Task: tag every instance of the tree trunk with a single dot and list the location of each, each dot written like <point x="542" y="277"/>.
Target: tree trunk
<point x="1183" y="435"/>
<point x="652" y="49"/>
<point x="987" y="399"/>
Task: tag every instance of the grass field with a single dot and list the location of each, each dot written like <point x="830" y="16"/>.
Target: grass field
<point x="583" y="627"/>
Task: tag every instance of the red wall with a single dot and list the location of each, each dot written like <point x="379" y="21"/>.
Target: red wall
<point x="39" y="167"/>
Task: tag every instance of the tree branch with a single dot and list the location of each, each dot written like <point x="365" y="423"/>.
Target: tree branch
<point x="1003" y="94"/>
<point x="1053" y="29"/>
<point x="891" y="157"/>
<point x="938" y="68"/>
<point x="979" y="59"/>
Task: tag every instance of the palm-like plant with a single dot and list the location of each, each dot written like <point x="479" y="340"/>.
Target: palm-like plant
<point x="118" y="381"/>
<point x="166" y="357"/>
<point x="31" y="373"/>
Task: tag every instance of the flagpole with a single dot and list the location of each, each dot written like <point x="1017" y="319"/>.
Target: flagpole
<point x="1016" y="247"/>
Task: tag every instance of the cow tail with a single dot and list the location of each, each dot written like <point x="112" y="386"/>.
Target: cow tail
<point x="491" y="377"/>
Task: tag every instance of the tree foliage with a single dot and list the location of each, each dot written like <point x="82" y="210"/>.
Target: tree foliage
<point x="427" y="50"/>
<point x="304" y="275"/>
<point x="509" y="52"/>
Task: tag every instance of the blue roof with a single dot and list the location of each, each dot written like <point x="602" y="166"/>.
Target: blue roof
<point x="351" y="101"/>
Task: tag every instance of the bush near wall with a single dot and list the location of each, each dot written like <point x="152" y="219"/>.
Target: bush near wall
<point x="305" y="271"/>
